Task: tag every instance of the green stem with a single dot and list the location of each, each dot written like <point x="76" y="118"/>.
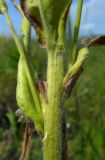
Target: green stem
<point x="18" y="7"/>
<point x="29" y="73"/>
<point x="53" y="111"/>
<point x="76" y="31"/>
<point x="26" y="34"/>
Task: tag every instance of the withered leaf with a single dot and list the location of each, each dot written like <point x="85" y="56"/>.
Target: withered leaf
<point x="99" y="40"/>
<point x="33" y="15"/>
<point x="68" y="87"/>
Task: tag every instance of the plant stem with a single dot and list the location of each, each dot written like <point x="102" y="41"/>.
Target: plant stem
<point x="53" y="111"/>
<point x="76" y="31"/>
<point x="26" y="145"/>
<point x="26" y="34"/>
<point x="29" y="73"/>
<point x="18" y="7"/>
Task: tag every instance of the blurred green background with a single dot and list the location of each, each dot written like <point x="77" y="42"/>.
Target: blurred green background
<point x="85" y="109"/>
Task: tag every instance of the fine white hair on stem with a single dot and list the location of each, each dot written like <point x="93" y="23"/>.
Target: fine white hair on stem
<point x="45" y="136"/>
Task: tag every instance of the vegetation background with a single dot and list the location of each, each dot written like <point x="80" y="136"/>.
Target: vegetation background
<point x="85" y="109"/>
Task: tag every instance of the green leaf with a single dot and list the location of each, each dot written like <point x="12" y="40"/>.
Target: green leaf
<point x="24" y="98"/>
<point x="48" y="18"/>
<point x="82" y="55"/>
<point x="73" y="70"/>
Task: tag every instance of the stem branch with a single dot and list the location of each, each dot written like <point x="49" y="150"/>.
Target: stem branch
<point x="76" y="30"/>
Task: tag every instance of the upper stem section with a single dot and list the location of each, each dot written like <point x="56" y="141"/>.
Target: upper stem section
<point x="49" y="19"/>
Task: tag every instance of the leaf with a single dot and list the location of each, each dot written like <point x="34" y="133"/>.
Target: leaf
<point x="33" y="15"/>
<point x="82" y="55"/>
<point x="99" y="40"/>
<point x="74" y="72"/>
<point x="24" y="98"/>
<point x="45" y="16"/>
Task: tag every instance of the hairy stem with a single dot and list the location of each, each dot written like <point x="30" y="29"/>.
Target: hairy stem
<point x="53" y="111"/>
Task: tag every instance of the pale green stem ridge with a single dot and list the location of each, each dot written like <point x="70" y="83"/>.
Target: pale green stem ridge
<point x="29" y="73"/>
<point x="53" y="111"/>
<point x="76" y="31"/>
